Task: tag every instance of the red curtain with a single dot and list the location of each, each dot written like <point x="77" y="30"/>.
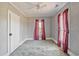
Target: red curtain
<point x="36" y="31"/>
<point x="59" y="40"/>
<point x="66" y="31"/>
<point x="43" y="30"/>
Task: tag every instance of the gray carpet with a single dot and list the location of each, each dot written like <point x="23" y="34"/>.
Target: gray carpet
<point x="38" y="48"/>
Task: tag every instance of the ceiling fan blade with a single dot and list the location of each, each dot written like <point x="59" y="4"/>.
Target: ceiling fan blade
<point x="33" y="4"/>
<point x="37" y="6"/>
<point x="29" y="3"/>
<point x="31" y="7"/>
<point x="44" y="5"/>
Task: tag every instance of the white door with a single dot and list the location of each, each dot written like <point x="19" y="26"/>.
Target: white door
<point x="13" y="30"/>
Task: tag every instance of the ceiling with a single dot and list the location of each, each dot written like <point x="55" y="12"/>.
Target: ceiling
<point x="38" y="9"/>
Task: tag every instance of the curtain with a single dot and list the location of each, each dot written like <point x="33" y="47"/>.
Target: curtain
<point x="59" y="40"/>
<point x="66" y="31"/>
<point x="36" y="31"/>
<point x="43" y="30"/>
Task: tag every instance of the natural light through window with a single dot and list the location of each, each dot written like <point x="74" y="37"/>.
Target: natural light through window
<point x="40" y="29"/>
<point x="61" y="29"/>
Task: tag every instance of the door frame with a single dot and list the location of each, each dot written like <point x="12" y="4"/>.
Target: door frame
<point x="9" y="12"/>
<point x="8" y="32"/>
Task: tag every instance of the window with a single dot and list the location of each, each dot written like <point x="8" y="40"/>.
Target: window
<point x="40" y="29"/>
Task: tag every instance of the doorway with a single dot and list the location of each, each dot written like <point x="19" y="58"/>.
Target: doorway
<point x="13" y="31"/>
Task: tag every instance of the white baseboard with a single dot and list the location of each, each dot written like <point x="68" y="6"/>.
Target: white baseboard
<point x="7" y="54"/>
<point x="54" y="40"/>
<point x="21" y="42"/>
<point x="31" y="39"/>
<point x="48" y="38"/>
<point x="71" y="53"/>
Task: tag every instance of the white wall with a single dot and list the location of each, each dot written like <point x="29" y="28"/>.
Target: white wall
<point x="30" y="25"/>
<point x="22" y="21"/>
<point x="26" y="26"/>
<point x="73" y="20"/>
<point x="3" y="28"/>
<point x="55" y="23"/>
<point x="74" y="28"/>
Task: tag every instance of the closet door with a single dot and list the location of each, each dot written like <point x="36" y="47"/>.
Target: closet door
<point x="14" y="31"/>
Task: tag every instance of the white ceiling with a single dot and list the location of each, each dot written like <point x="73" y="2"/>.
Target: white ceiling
<point x="29" y="9"/>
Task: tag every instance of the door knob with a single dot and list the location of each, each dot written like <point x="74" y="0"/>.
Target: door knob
<point x="10" y="34"/>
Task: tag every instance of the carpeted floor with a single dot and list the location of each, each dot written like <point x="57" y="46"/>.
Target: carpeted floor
<point x="38" y="48"/>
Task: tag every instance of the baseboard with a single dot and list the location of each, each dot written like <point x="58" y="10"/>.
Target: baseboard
<point x="71" y="53"/>
<point x="29" y="39"/>
<point x="7" y="54"/>
<point x="21" y="42"/>
<point x="48" y="38"/>
<point x="54" y="40"/>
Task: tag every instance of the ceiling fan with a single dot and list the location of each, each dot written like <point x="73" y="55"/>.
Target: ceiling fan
<point x="38" y="5"/>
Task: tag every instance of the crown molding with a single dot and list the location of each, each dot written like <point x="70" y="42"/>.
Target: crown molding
<point x="60" y="7"/>
<point x="17" y="8"/>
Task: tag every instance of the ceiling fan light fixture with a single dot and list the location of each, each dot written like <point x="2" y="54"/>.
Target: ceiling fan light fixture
<point x="38" y="6"/>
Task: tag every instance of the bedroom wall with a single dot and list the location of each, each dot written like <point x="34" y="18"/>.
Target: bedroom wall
<point x="55" y="22"/>
<point x="31" y="25"/>
<point x="26" y="26"/>
<point x="3" y="28"/>
<point x="4" y="7"/>
<point x="22" y="21"/>
<point x="73" y="26"/>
